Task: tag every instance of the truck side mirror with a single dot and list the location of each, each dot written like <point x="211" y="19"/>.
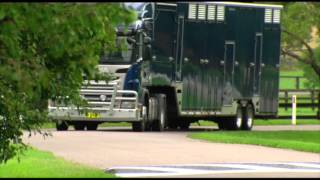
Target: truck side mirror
<point x="131" y="40"/>
<point x="141" y="14"/>
<point x="146" y="40"/>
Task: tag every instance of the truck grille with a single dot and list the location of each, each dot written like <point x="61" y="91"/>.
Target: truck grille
<point x="113" y="99"/>
<point x="92" y="93"/>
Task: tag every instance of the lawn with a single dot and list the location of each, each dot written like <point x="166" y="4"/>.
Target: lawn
<point x="290" y="83"/>
<point x="263" y="122"/>
<point x="300" y="111"/>
<point x="291" y="73"/>
<point x="297" y="140"/>
<point x="38" y="164"/>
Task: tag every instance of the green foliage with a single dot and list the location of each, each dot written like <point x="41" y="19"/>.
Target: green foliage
<point x="298" y="18"/>
<point x="45" y="49"/>
<point x="313" y="78"/>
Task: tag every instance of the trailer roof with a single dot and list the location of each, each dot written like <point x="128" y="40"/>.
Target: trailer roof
<point x="230" y="3"/>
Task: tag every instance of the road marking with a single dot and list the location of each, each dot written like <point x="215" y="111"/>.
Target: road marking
<point x="213" y="168"/>
<point x="312" y="165"/>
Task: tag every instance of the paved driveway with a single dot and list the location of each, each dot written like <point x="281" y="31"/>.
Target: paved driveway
<point x="111" y="147"/>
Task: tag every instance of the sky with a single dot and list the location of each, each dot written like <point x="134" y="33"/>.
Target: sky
<point x="135" y="5"/>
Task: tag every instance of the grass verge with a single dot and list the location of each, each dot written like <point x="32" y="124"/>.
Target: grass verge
<point x="261" y="122"/>
<point x="40" y="164"/>
<point x="297" y="140"/>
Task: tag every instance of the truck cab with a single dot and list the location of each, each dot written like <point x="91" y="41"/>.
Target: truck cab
<point x="107" y="102"/>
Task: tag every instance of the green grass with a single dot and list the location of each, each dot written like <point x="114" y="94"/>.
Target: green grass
<point x="36" y="164"/>
<point x="290" y="83"/>
<point x="262" y="122"/>
<point x="291" y="73"/>
<point x="297" y="140"/>
<point x="286" y="122"/>
<point x="300" y="111"/>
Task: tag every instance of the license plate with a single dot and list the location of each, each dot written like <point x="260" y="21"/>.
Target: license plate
<point x="92" y="115"/>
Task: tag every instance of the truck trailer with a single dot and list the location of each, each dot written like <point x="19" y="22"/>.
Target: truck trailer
<point x="190" y="61"/>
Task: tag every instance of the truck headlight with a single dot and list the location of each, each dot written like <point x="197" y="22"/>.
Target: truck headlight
<point x="103" y="97"/>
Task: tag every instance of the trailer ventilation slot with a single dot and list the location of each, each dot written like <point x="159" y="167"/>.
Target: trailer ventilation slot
<point x="276" y="16"/>
<point x="211" y="12"/>
<point x="220" y="14"/>
<point x="268" y="15"/>
<point x="192" y="11"/>
<point x="202" y="12"/>
<point x="272" y="16"/>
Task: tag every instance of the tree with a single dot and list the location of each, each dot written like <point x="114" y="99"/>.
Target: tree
<point x="45" y="49"/>
<point x="298" y="19"/>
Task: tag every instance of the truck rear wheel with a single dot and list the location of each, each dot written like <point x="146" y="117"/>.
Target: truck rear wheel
<point x="61" y="126"/>
<point x="92" y="126"/>
<point x="160" y="123"/>
<point x="235" y="123"/>
<point x="79" y="126"/>
<point x="248" y="117"/>
<point x="184" y="124"/>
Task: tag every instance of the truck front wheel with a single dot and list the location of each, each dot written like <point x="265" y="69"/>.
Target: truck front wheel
<point x="61" y="126"/>
<point x="79" y="126"/>
<point x="140" y="126"/>
<point x="92" y="126"/>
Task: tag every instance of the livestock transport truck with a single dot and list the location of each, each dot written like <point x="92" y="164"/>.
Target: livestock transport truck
<point x="188" y="61"/>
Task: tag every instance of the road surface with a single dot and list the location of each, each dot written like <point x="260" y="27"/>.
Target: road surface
<point x="116" y="147"/>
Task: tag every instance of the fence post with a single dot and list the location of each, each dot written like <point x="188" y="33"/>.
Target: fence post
<point x="294" y="105"/>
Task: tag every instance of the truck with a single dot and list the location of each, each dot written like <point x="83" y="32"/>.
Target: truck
<point x="189" y="61"/>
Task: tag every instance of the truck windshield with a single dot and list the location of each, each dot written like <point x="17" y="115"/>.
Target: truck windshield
<point x="121" y="54"/>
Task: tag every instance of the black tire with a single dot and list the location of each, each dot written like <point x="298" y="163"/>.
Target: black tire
<point x="92" y="126"/>
<point x="140" y="126"/>
<point x="235" y="123"/>
<point x="152" y="113"/>
<point x="160" y="123"/>
<point x="172" y="125"/>
<point x="248" y="118"/>
<point x="61" y="126"/>
<point x="172" y="122"/>
<point x="222" y="124"/>
<point x="184" y="124"/>
<point x="79" y="126"/>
